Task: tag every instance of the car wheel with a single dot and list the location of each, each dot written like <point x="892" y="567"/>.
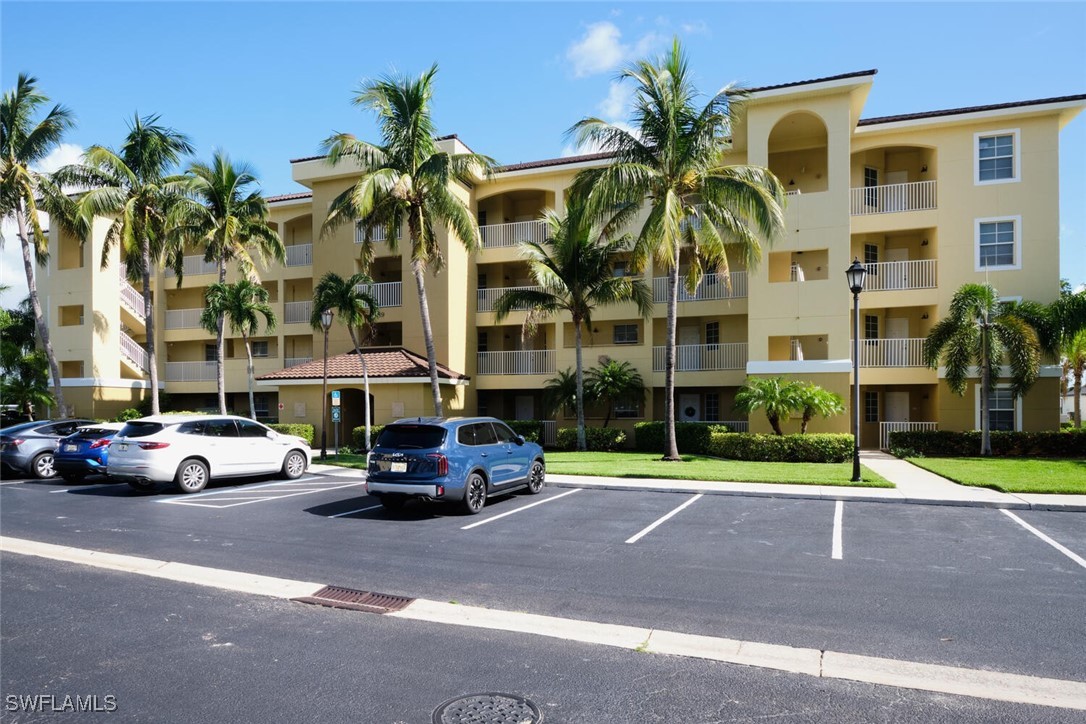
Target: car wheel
<point x="294" y="465"/>
<point x="535" y="477"/>
<point x="192" y="476"/>
<point x="143" y="486"/>
<point x="42" y="465"/>
<point x="73" y="478"/>
<point x="393" y="502"/>
<point x="474" y="494"/>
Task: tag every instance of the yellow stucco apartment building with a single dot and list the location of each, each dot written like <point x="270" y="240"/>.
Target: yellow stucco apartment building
<point x="928" y="200"/>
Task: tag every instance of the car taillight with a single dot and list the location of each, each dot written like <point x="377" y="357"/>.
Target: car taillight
<point x="15" y="443"/>
<point x="153" y="445"/>
<point x="441" y="463"/>
<point x="101" y="442"/>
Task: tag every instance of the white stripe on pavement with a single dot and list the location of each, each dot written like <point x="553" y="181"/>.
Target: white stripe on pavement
<point x="838" y="548"/>
<point x="234" y="490"/>
<point x="648" y="530"/>
<point x="1070" y="554"/>
<point x="523" y="507"/>
<point x="360" y="510"/>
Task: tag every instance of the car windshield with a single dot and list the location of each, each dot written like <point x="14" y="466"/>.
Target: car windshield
<point x="411" y="437"/>
<point x="20" y="427"/>
<point x="137" y="428"/>
<point x="92" y="433"/>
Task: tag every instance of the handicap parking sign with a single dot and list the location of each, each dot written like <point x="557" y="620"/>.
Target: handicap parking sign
<point x="335" y="414"/>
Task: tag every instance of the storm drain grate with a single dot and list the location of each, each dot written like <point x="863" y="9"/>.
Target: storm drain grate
<point x="489" y="708"/>
<point x="337" y="597"/>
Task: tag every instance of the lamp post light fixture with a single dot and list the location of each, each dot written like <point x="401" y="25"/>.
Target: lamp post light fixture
<point x="326" y="322"/>
<point x="856" y="275"/>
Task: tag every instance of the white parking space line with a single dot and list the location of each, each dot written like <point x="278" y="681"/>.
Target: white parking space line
<point x="523" y="507"/>
<point x="227" y="491"/>
<point x="1070" y="554"/>
<point x="838" y="547"/>
<point x="360" y="510"/>
<point x="88" y="487"/>
<point x="652" y="527"/>
<point x="244" y="499"/>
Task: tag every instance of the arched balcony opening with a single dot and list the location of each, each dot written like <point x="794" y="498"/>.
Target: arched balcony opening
<point x="799" y="153"/>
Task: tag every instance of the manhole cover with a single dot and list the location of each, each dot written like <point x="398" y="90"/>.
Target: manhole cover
<point x="488" y="708"/>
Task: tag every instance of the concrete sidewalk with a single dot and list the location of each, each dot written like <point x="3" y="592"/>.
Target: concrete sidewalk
<point x="913" y="485"/>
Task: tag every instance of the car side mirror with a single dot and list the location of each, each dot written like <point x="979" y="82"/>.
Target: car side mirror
<point x="519" y="440"/>
<point x="270" y="434"/>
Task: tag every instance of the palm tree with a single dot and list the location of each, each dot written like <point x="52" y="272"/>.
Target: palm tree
<point x="26" y="383"/>
<point x="229" y="221"/>
<point x="573" y="269"/>
<point x="701" y="211"/>
<point x="777" y="397"/>
<point x="354" y="307"/>
<point x="1074" y="362"/>
<point x="406" y="179"/>
<point x="24" y="143"/>
<point x="241" y="304"/>
<point x="560" y="393"/>
<point x="980" y="330"/>
<point x="1067" y="338"/>
<point x="815" y="400"/>
<point x="612" y="382"/>
<point x="132" y="185"/>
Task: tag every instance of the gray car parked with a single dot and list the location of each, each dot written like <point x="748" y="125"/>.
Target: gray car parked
<point x="28" y="447"/>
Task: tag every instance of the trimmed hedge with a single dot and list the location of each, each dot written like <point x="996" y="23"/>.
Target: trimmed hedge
<point x="302" y="430"/>
<point x="530" y="430"/>
<point x="810" y="448"/>
<point x="129" y="413"/>
<point x="598" y="439"/>
<point x="358" y="436"/>
<point x="691" y="437"/>
<point x="946" y="443"/>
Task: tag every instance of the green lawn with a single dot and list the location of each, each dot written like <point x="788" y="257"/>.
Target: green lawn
<point x="1012" y="475"/>
<point x="693" y="467"/>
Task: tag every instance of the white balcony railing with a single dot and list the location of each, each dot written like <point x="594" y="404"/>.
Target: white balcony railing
<point x="703" y="357"/>
<point x="885" y="428"/>
<point x="550" y="432"/>
<point x="713" y="286"/>
<point x="733" y="425"/>
<point x="520" y="362"/>
<point x="183" y="318"/>
<point x="132" y="298"/>
<point x="892" y="352"/>
<point x="487" y="298"/>
<point x="386" y="294"/>
<point x="895" y="275"/>
<point x="135" y="352"/>
<point x="914" y="196"/>
<point x="190" y="371"/>
<point x="192" y="265"/>
<point x="297" y="312"/>
<point x="292" y="361"/>
<point x="499" y="235"/>
<point x="377" y="234"/>
<point x="300" y="255"/>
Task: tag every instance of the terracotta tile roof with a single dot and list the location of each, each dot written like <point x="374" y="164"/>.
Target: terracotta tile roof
<point x="381" y="361"/>
<point x="842" y="76"/>
<point x="969" y="109"/>
<point x="554" y="162"/>
<point x="289" y="197"/>
<point x="314" y="158"/>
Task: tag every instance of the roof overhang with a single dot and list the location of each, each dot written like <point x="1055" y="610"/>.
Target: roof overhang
<point x="462" y="382"/>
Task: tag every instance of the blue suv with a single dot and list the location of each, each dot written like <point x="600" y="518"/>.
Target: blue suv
<point x="461" y="460"/>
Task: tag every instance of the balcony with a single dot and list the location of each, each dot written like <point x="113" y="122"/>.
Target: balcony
<point x="713" y="286"/>
<point x="703" y="357"/>
<point x="891" y="198"/>
<point x="496" y="236"/>
<point x="132" y="299"/>
<point x="885" y="428"/>
<point x="184" y="318"/>
<point x="888" y="276"/>
<point x="892" y="352"/>
<point x="519" y="362"/>
<point x="190" y="371"/>
<point x="487" y="298"/>
<point x="386" y="294"/>
<point x="297" y="312"/>
<point x="192" y="265"/>
<point x="134" y="352"/>
<point x="292" y="361"/>
<point x="300" y="255"/>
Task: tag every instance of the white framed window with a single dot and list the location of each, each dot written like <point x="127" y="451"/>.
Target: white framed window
<point x="260" y="349"/>
<point x="627" y="409"/>
<point x="996" y="155"/>
<point x="483" y="344"/>
<point x="998" y="243"/>
<point x="625" y="334"/>
<point x="871" y="406"/>
<point x="260" y="405"/>
<point x="1004" y="409"/>
<point x="712" y="406"/>
<point x="712" y="333"/>
<point x="209" y="353"/>
<point x="871" y="326"/>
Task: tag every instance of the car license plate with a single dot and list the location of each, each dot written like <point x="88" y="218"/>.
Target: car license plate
<point x="122" y="446"/>
<point x="399" y="467"/>
<point x="70" y="448"/>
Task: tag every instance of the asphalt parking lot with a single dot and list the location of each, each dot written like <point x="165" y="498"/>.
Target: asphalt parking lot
<point x="958" y="586"/>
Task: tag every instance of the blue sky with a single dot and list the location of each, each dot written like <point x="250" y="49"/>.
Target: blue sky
<point x="267" y="81"/>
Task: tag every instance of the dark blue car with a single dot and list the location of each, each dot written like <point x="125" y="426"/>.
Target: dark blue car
<point x="462" y="460"/>
<point x="85" y="452"/>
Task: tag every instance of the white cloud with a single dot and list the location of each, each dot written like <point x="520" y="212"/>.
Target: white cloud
<point x="572" y="150"/>
<point x="600" y="50"/>
<point x="696" y="27"/>
<point x="62" y="155"/>
<point x="617" y="103"/>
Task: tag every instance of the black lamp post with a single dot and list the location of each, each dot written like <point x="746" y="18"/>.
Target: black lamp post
<point x="856" y="275"/>
<point x="326" y="322"/>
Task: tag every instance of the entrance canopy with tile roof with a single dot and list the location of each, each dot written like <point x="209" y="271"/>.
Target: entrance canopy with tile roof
<point x="386" y="365"/>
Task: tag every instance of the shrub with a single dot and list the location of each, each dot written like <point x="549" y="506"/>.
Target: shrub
<point x="358" y="437"/>
<point x="129" y="413"/>
<point x="945" y="443"/>
<point x="598" y="439"/>
<point x="530" y="430"/>
<point x="819" y="448"/>
<point x="302" y="430"/>
<point x="691" y="437"/>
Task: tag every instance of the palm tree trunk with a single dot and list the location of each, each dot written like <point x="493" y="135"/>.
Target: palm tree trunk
<point x="1078" y="395"/>
<point x="671" y="451"/>
<point x="365" y="381"/>
<point x="39" y="318"/>
<point x="803" y="424"/>
<point x="249" y="357"/>
<point x="220" y="347"/>
<point x="427" y="333"/>
<point x="775" y="423"/>
<point x="985" y="379"/>
<point x="149" y="324"/>
<point x="582" y="443"/>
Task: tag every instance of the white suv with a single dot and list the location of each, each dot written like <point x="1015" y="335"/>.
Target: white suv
<point x="192" y="449"/>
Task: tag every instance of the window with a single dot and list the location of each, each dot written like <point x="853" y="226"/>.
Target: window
<point x="504" y="433"/>
<point x="483" y="343"/>
<point x="871" y="326"/>
<point x="482" y="280"/>
<point x="712" y="333"/>
<point x="260" y="405"/>
<point x="260" y="349"/>
<point x="871" y="407"/>
<point x="712" y="406"/>
<point x="619" y="269"/>
<point x="998" y="243"/>
<point x="220" y="428"/>
<point x="997" y="157"/>
<point x="1001" y="410"/>
<point x="871" y="256"/>
<point x="209" y="353"/>
<point x="484" y="434"/>
<point x="625" y="334"/>
<point x="871" y="181"/>
<point x="251" y="429"/>
<point x="626" y="409"/>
